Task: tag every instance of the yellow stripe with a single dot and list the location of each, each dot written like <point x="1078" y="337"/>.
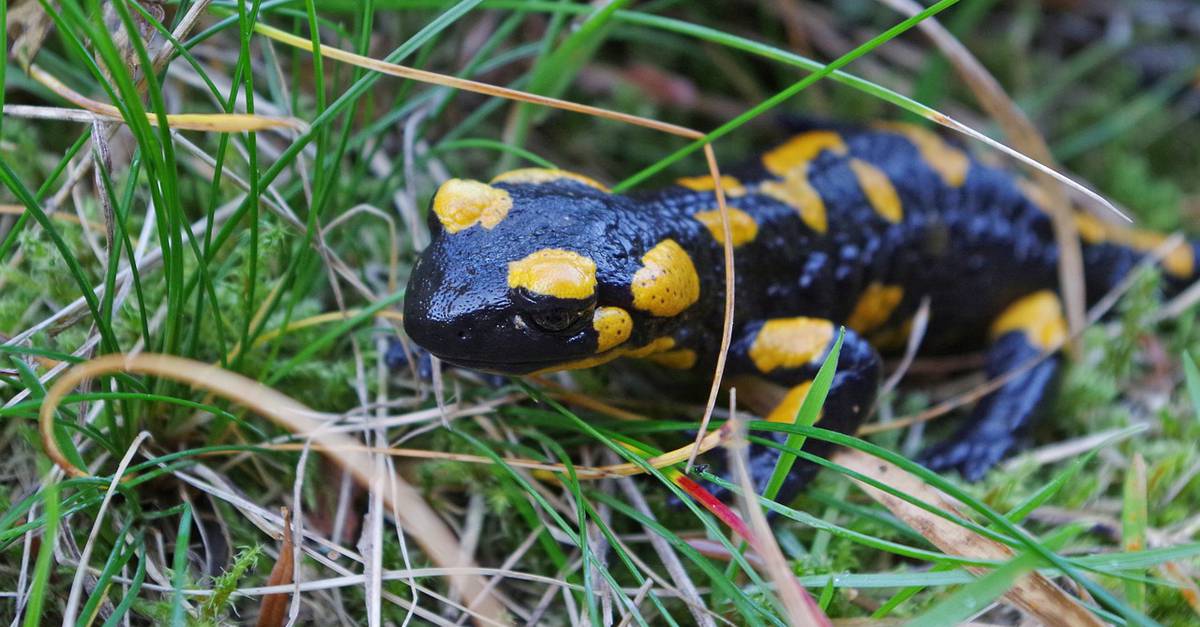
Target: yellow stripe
<point x="790" y="342"/>
<point x="879" y="190"/>
<point x="731" y="185"/>
<point x="742" y="227"/>
<point x="801" y="149"/>
<point x="787" y="409"/>
<point x="1039" y="316"/>
<point x="795" y="190"/>
<point x="1180" y="262"/>
<point x="874" y="307"/>
<point x="948" y="161"/>
<point x="680" y="359"/>
<point x="546" y="175"/>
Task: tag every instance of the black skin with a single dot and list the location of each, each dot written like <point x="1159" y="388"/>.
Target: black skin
<point x="972" y="250"/>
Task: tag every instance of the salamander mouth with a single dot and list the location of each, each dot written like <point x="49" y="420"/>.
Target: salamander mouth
<point x="520" y="367"/>
<point x="531" y="366"/>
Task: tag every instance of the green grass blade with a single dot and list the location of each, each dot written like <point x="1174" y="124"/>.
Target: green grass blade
<point x="338" y="331"/>
<point x="1043" y="494"/>
<point x="179" y="568"/>
<point x="807" y="416"/>
<point x="45" y="559"/>
<point x="784" y="95"/>
<point x="33" y="208"/>
<point x="118" y="558"/>
<point x="135" y="588"/>
<point x="1133" y="524"/>
<point x="554" y="72"/>
<point x="977" y="595"/>
<point x="1021" y="540"/>
<point x="1192" y="376"/>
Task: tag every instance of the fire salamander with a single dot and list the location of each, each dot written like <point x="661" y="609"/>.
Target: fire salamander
<point x="544" y="270"/>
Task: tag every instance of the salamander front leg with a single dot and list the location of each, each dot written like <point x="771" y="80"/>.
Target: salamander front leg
<point x="789" y="351"/>
<point x="1024" y="331"/>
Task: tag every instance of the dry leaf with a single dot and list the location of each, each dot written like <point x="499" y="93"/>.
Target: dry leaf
<point x="272" y="610"/>
<point x="1033" y="593"/>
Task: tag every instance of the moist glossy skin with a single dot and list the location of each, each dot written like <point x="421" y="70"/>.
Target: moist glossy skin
<point x="543" y="270"/>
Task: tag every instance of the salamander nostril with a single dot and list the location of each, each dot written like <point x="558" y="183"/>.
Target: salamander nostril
<point x="463" y="335"/>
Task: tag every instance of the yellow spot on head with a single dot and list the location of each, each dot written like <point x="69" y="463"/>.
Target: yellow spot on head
<point x="787" y="409"/>
<point x="1038" y="315"/>
<point x="657" y="346"/>
<point x="554" y="272"/>
<point x="879" y="190"/>
<point x="731" y="185"/>
<point x="545" y="175"/>
<point x="460" y="204"/>
<point x="874" y="307"/>
<point x="796" y="191"/>
<point x="801" y="149"/>
<point x="948" y="161"/>
<point x="742" y="227"/>
<point x="681" y="359"/>
<point x="790" y="342"/>
<point x="583" y="364"/>
<point x="667" y="282"/>
<point x="613" y="326"/>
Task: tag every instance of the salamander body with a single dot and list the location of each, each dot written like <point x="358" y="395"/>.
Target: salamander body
<point x="839" y="225"/>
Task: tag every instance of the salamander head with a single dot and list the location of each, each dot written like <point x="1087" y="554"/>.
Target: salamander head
<point x="539" y="271"/>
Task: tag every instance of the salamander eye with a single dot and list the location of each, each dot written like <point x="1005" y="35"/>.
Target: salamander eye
<point x="557" y="320"/>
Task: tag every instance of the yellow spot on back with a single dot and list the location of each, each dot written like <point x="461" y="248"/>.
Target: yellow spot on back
<point x="681" y="359"/>
<point x="892" y="338"/>
<point x="874" y="307"/>
<point x="613" y="326"/>
<point x="948" y="161"/>
<point x="742" y="227"/>
<point x="667" y="282"/>
<point x="1038" y="315"/>
<point x="879" y="190"/>
<point x="801" y="149"/>
<point x="460" y="204"/>
<point x="545" y="175"/>
<point x="1180" y="262"/>
<point x="796" y="191"/>
<point x="790" y="342"/>
<point x="787" y="408"/>
<point x="731" y="185"/>
<point x="1092" y="230"/>
<point x="554" y="272"/>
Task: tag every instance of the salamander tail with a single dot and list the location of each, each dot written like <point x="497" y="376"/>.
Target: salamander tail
<point x="1111" y="252"/>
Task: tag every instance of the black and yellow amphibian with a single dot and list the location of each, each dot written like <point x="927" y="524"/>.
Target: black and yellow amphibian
<point x="546" y="269"/>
